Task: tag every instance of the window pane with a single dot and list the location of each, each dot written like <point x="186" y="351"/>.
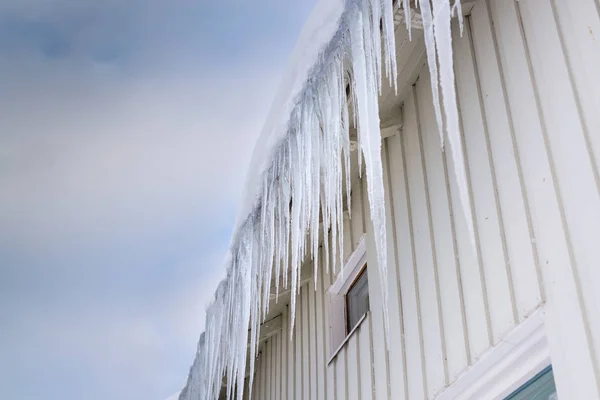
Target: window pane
<point x="357" y="300"/>
<point x="540" y="387"/>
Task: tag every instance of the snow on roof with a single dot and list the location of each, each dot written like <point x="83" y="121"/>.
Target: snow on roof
<point x="316" y="33"/>
<point x="303" y="154"/>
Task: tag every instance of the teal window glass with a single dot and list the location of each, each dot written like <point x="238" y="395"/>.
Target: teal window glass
<point x="540" y="387"/>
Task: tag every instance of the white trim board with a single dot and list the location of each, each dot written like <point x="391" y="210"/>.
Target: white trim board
<point x="352" y="267"/>
<point x="504" y="368"/>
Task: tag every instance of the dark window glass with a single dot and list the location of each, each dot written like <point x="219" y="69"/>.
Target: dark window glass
<point x="540" y="387"/>
<point x="357" y="300"/>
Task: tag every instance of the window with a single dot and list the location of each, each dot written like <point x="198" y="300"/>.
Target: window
<point x="348" y="298"/>
<point x="540" y="387"/>
<point x="357" y="300"/>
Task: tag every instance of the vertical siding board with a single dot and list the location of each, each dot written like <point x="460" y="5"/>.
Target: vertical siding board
<point x="298" y="359"/>
<point x="425" y="267"/>
<point x="408" y="283"/>
<point x="366" y="363"/>
<point x="447" y="268"/>
<point x="380" y="354"/>
<point x="353" y="368"/>
<point x="517" y="231"/>
<point x="358" y="365"/>
<point x="246" y="389"/>
<point x="271" y="368"/>
<point x="276" y="367"/>
<point x="273" y="365"/>
<point x="580" y="197"/>
<point x="340" y="376"/>
<point x="281" y="388"/>
<point x="288" y="356"/>
<point x="268" y="368"/>
<point x="475" y="299"/>
<point x="397" y="378"/>
<point x="579" y="28"/>
<point x="262" y="376"/>
<point x="265" y="372"/>
<point x="348" y="240"/>
<point x="320" y="332"/>
<point x="564" y="320"/>
<point x="487" y="220"/>
<point x="579" y="23"/>
<point x="258" y="377"/>
<point x="305" y="355"/>
<point x="330" y="368"/>
<point x="256" y="385"/>
<point x="356" y="214"/>
<point x="312" y="345"/>
<point x="284" y="338"/>
<point x="253" y="388"/>
<point x="331" y="387"/>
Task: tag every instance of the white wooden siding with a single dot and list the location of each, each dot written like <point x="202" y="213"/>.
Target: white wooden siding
<point x="528" y="94"/>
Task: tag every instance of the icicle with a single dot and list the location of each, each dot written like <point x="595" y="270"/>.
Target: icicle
<point x="443" y="40"/>
<point x="303" y="187"/>
<point x="389" y="41"/>
<point x="457" y="10"/>
<point x="345" y="135"/>
<point x="407" y="17"/>
<point x="432" y="62"/>
<point x="370" y="143"/>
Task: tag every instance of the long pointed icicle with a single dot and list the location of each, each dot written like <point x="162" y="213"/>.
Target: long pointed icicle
<point x="302" y="191"/>
<point x="443" y="43"/>
<point x="432" y="62"/>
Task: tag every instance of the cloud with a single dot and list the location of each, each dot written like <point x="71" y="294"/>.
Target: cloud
<point x="116" y="205"/>
<point x="103" y="351"/>
<point x="126" y="128"/>
<point x="142" y="161"/>
<point x="139" y="33"/>
<point x="107" y="208"/>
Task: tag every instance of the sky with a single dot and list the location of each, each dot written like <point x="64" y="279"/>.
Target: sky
<point x="126" y="129"/>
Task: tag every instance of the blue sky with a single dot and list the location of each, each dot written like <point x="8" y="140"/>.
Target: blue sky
<point x="126" y="127"/>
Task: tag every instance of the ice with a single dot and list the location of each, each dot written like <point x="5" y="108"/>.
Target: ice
<point x="430" y="46"/>
<point x="294" y="194"/>
<point x="316" y="34"/>
<point x="443" y="44"/>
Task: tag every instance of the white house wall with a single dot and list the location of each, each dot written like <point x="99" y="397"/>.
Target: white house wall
<point x="528" y="89"/>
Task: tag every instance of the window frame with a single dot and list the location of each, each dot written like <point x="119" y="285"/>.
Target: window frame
<point x="352" y="268"/>
<point x="361" y="274"/>
<point x="514" y="361"/>
<point x="339" y="331"/>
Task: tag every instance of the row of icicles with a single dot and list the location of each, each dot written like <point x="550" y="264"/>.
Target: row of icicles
<point x="301" y="199"/>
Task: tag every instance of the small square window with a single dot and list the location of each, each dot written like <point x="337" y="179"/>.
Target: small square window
<point x="357" y="300"/>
